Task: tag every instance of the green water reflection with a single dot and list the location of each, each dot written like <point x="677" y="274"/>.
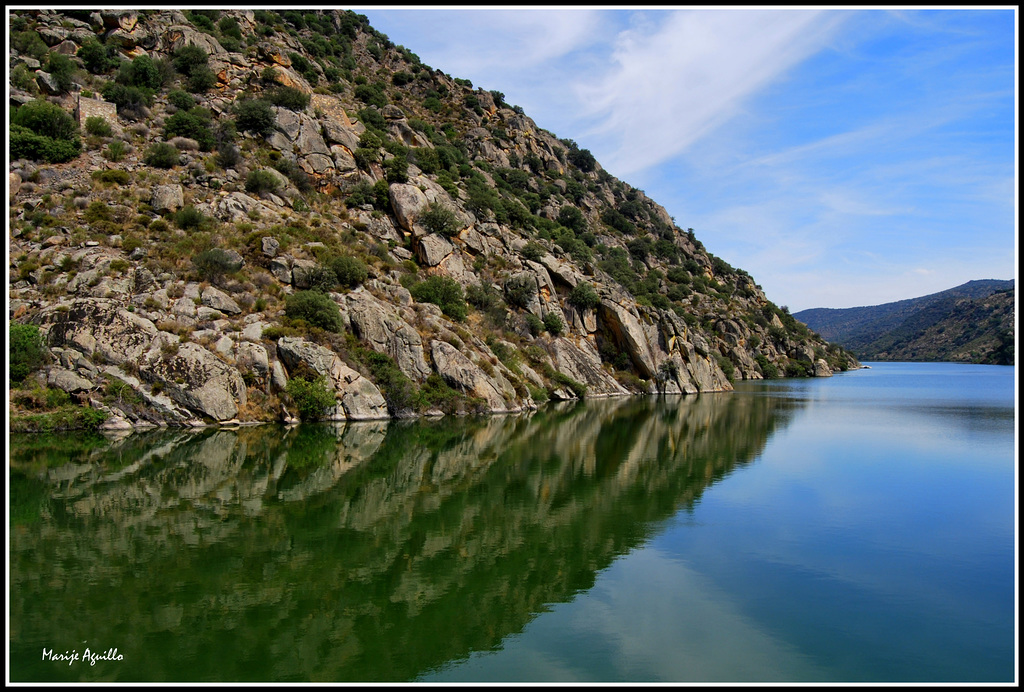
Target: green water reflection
<point x="359" y="552"/>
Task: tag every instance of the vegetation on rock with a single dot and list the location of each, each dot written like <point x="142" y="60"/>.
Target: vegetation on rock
<point x="396" y="188"/>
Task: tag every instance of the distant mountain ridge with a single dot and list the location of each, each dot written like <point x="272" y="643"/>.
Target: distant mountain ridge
<point x="973" y="322"/>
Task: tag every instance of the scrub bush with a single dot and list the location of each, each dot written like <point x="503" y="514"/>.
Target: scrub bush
<point x="27" y="352"/>
<point x="254" y="115"/>
<point x="316" y="309"/>
<point x="162" y="155"/>
<point x="261" y="181"/>
<point x="444" y="292"/>
<point x="312" y="398"/>
<point x="350" y="271"/>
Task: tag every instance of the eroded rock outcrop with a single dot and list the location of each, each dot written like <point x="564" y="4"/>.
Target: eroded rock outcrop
<point x="358" y="398"/>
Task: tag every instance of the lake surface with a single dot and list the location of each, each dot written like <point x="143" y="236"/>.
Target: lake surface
<point x="855" y="528"/>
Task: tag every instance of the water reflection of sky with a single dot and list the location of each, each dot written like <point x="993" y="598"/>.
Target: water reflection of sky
<point x="872" y="539"/>
<point x="699" y="634"/>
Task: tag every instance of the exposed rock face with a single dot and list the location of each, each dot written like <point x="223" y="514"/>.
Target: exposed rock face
<point x="98" y="328"/>
<point x="631" y="335"/>
<point x="196" y="379"/>
<point x="219" y="300"/>
<point x="385" y="331"/>
<point x="359" y="399"/>
<point x="106" y="271"/>
<point x="407" y="202"/>
<point x="464" y="375"/>
<point x="582" y="363"/>
<point x="167" y="198"/>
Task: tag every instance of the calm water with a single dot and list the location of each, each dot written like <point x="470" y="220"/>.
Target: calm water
<point x="856" y="528"/>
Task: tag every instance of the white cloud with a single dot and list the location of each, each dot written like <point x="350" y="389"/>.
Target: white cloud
<point x="681" y="74"/>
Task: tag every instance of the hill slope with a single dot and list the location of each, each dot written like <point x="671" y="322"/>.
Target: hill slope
<point x="973" y="323"/>
<point x="271" y="214"/>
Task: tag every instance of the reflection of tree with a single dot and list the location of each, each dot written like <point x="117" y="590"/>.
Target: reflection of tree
<point x="362" y="552"/>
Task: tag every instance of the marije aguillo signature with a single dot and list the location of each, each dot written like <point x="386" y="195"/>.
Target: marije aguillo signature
<point x="73" y="656"/>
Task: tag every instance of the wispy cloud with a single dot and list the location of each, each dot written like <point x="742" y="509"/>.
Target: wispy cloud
<point x="682" y="74"/>
<point x="839" y="157"/>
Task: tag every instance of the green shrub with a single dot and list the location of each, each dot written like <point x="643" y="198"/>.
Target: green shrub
<point x="396" y="169"/>
<point x="46" y="119"/>
<point x="533" y="251"/>
<point x="398" y="390"/>
<point x="96" y="57"/>
<point x="439" y="218"/>
<point x="194" y="124"/>
<point x="322" y="279"/>
<point x="444" y="292"/>
<point x="61" y="69"/>
<point x="131" y="101"/>
<point x="97" y="211"/>
<point x="201" y="80"/>
<point x="112" y="175"/>
<point x="534" y="324"/>
<point x="295" y="174"/>
<point x="227" y="156"/>
<point x="30" y="43"/>
<point x="553" y="323"/>
<point x="201" y="22"/>
<point x="350" y="271"/>
<point x="24" y="79"/>
<point x="261" y="181"/>
<point x="312" y="398"/>
<point x="484" y="297"/>
<point x="255" y="115"/>
<point x="182" y="100"/>
<point x="188" y="59"/>
<point x="584" y="297"/>
<point x="97" y="126"/>
<point x="571" y="217"/>
<point x="288" y="97"/>
<point x="189" y="217"/>
<point x="116" y="150"/>
<point x="26" y="144"/>
<point x="162" y="155"/>
<point x="520" y="290"/>
<point x="371" y="95"/>
<point x="727" y="367"/>
<point x="768" y="369"/>
<point x="372" y="119"/>
<point x="315" y="308"/>
<point x="27" y="351"/>
<point x="214" y="263"/>
<point x="142" y="72"/>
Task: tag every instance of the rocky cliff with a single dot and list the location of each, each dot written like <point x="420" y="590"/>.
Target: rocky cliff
<point x="264" y="215"/>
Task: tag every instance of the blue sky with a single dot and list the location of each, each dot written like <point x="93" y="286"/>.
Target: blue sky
<point x="842" y="157"/>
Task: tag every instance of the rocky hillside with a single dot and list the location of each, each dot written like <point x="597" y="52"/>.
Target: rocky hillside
<point x="248" y="216"/>
<point x="971" y="323"/>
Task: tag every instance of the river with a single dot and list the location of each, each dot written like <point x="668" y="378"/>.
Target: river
<point x="846" y="529"/>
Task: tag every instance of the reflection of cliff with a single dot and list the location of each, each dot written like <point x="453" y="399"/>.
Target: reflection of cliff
<point x="360" y="552"/>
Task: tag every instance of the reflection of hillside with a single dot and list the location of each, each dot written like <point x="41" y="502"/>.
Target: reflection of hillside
<point x="360" y="552"/>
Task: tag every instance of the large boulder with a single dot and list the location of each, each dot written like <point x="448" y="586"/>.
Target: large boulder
<point x="195" y="378"/>
<point x="407" y="201"/>
<point x="167" y="198"/>
<point x="98" y="328"/>
<point x="466" y="376"/>
<point x="359" y="398"/>
<point x="582" y="363"/>
<point x="377" y="323"/>
<point x="432" y="249"/>
<point x="630" y="335"/>
<point x="219" y="300"/>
